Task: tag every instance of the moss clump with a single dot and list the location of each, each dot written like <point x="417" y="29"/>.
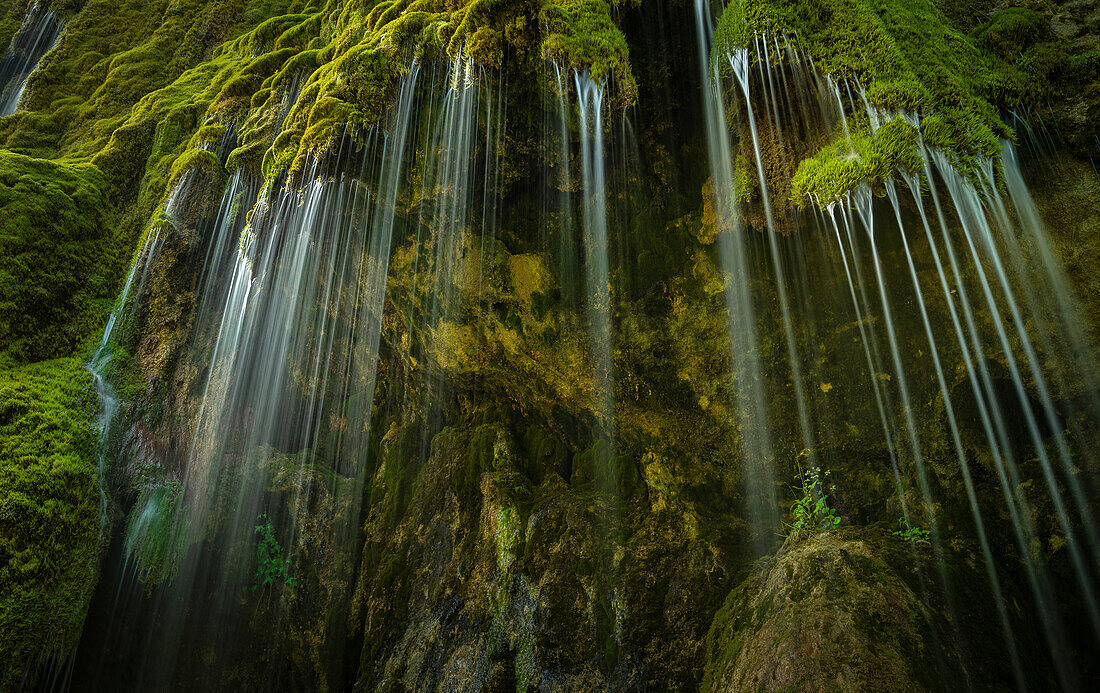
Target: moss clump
<point x="52" y="241"/>
<point x="911" y="59"/>
<point x="1012" y="31"/>
<point x="584" y="36"/>
<point x="199" y="160"/>
<point x="860" y="159"/>
<point x="853" y="609"/>
<point x="49" y="513"/>
<point x="904" y="52"/>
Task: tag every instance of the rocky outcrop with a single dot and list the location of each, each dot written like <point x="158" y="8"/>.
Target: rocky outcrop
<point x="855" y="609"/>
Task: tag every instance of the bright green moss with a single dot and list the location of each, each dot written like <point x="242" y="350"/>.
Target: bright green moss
<point x="101" y="95"/>
<point x="584" y="36"/>
<point x="49" y="512"/>
<point x="909" y="58"/>
<point x="861" y="159"/>
<point x="194" y="159"/>
<point x="51" y="242"/>
<point x="349" y="68"/>
<point x="108" y="113"/>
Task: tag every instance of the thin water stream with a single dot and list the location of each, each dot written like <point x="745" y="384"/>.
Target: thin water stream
<point x="37" y="36"/>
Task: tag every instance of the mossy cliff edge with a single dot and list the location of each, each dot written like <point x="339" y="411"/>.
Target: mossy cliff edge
<point x="941" y="73"/>
<point x="492" y="554"/>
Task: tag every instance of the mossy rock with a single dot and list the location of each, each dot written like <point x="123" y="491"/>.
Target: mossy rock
<point x="858" y="609"/>
<point x="49" y="513"/>
<point x="52" y="234"/>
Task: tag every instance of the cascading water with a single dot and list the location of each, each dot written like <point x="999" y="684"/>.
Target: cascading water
<point x="37" y="36"/>
<point x="995" y="253"/>
<point x="290" y="325"/>
<point x="101" y="362"/>
<point x="755" y="436"/>
<point x="590" y="96"/>
<point x="558" y="133"/>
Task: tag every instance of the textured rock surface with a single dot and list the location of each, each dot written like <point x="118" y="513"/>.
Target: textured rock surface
<point x="847" y="610"/>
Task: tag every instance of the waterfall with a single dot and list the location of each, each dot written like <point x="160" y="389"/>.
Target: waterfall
<point x="563" y="212"/>
<point x="37" y="36"/>
<point x="289" y="319"/>
<point x="590" y="96"/>
<point x="383" y="326"/>
<point x="756" y="444"/>
<point x="101" y="360"/>
<point x="101" y="364"/>
<point x="983" y="286"/>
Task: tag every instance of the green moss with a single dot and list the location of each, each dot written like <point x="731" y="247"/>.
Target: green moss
<point x="10" y="19"/>
<point x="1011" y="31"/>
<point x="199" y="160"/>
<point x="507" y="536"/>
<point x="910" y="58"/>
<point x="582" y="35"/>
<point x="860" y="159"/>
<point x="94" y="153"/>
<point x="51" y="245"/>
<point x="49" y="512"/>
<point x="1083" y="68"/>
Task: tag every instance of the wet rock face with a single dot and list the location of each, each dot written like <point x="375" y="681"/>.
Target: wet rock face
<point x="509" y="551"/>
<point x="1075" y="113"/>
<point x="850" y="610"/>
<point x="1067" y="193"/>
<point x="487" y="580"/>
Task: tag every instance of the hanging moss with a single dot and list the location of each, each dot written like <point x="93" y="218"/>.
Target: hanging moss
<point x="909" y="58"/>
<point x="94" y="152"/>
<point x="200" y="160"/>
<point x="584" y="36"/>
<point x="862" y="159"/>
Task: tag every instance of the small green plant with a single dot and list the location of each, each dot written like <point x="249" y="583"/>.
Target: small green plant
<point x="909" y="531"/>
<point x="271" y="566"/>
<point x="811" y="510"/>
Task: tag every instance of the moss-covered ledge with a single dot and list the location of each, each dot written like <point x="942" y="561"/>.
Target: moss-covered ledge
<point x="349" y="73"/>
<point x="910" y="57"/>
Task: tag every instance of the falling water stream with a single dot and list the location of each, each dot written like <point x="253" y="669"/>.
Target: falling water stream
<point x="756" y="440"/>
<point x="590" y="96"/>
<point x="37" y="36"/>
